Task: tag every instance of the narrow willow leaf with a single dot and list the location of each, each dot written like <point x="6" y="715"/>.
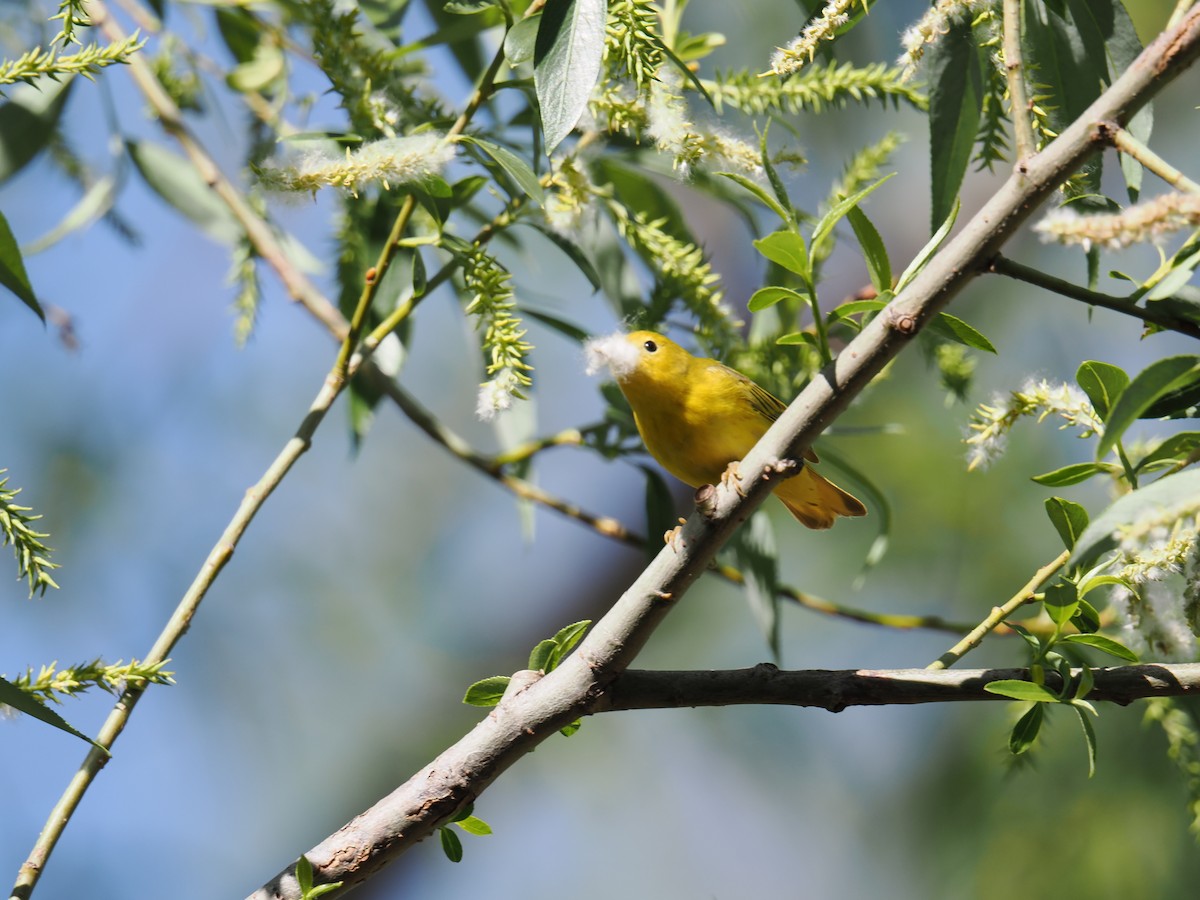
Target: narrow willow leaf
<point x="767" y="297"/>
<point x="1022" y="690"/>
<point x="879" y="269"/>
<point x="517" y="169"/>
<point x="1103" y="383"/>
<point x="562" y="326"/>
<point x="487" y="692"/>
<point x="760" y="192"/>
<point x="1173" y="449"/>
<point x="566" y="63"/>
<point x="786" y="249"/>
<point x="955" y="329"/>
<point x="955" y="108"/>
<point x="1025" y="732"/>
<point x="1089" y="735"/>
<point x="660" y="510"/>
<point x="922" y="259"/>
<point x="176" y="181"/>
<point x="451" y="845"/>
<point x="96" y="201"/>
<point x="1155" y="382"/>
<point x="839" y="210"/>
<point x="1104" y="644"/>
<point x="1073" y="474"/>
<point x="573" y="251"/>
<point x="12" y="270"/>
<point x="28" y="117"/>
<point x="753" y="551"/>
<point x="13" y="696"/>
<point x="1086" y="618"/>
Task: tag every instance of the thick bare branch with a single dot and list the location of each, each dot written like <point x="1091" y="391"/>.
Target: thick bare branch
<point x="431" y="798"/>
<point x="837" y="689"/>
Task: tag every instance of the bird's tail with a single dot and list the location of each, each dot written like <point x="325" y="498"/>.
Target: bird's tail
<point x="816" y="501"/>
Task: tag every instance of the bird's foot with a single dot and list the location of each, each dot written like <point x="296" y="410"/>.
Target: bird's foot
<point x="673" y="536"/>
<point x="732" y="477"/>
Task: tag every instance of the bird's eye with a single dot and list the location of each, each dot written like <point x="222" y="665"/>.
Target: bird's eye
<point x="650" y="346"/>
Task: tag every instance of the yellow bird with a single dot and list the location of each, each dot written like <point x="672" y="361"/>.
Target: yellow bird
<point x="697" y="416"/>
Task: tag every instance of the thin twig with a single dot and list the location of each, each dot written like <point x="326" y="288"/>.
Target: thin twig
<point x="1019" y="106"/>
<point x="1131" y="146"/>
<point x="1154" y="315"/>
<point x="999" y="614"/>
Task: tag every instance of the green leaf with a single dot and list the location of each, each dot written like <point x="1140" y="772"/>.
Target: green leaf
<point x="1154" y="382"/>
<point x="562" y="326"/>
<point x="566" y="63"/>
<point x="752" y="549"/>
<point x="761" y="193"/>
<point x="797" y="338"/>
<point x="839" y="210"/>
<point x="660" y="510"/>
<point x="1104" y="644"/>
<point x="955" y="329"/>
<point x="487" y="692"/>
<point x="568" y="730"/>
<point x="451" y="845"/>
<point x="539" y="656"/>
<point x="573" y="251"/>
<point x="769" y="296"/>
<point x="1022" y="690"/>
<point x="922" y="259"/>
<point x="517" y="169"/>
<point x="565" y="641"/>
<point x="11" y="695"/>
<point x="1089" y="735"/>
<point x="1097" y="581"/>
<point x="1176" y="448"/>
<point x="1073" y="474"/>
<point x="879" y="269"/>
<point x="96" y="201"/>
<point x="473" y="825"/>
<point x="12" y="270"/>
<point x="786" y="249"/>
<point x="854" y="307"/>
<point x="1086" y="619"/>
<point x="955" y="107"/>
<point x="468" y="7"/>
<point x="176" y="181"/>
<point x="1155" y="502"/>
<point x="1025" y="732"/>
<point x="28" y="118"/>
<point x="1061" y="600"/>
<point x="1103" y="383"/>
<point x="519" y="41"/>
<point x="1069" y="519"/>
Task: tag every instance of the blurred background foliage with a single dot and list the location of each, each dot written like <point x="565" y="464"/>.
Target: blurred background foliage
<point x="384" y="576"/>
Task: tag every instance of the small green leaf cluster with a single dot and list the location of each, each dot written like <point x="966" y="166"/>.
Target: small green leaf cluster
<point x="471" y="824"/>
<point x="1076" y="623"/>
<point x="32" y="555"/>
<point x="304" y="878"/>
<point x="544" y="658"/>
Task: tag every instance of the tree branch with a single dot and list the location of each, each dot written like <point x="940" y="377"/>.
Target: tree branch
<point x="520" y="722"/>
<point x="1152" y="315"/>
<point x="836" y="690"/>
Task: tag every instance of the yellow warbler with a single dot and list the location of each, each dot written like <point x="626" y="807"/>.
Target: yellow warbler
<point x="697" y="416"/>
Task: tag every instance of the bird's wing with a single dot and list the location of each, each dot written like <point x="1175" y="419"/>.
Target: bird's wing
<point x="767" y="404"/>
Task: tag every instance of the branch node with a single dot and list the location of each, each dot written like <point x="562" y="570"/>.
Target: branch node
<point x="706" y="500"/>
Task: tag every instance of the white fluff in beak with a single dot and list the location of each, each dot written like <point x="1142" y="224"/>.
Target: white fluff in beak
<point x="614" y="352"/>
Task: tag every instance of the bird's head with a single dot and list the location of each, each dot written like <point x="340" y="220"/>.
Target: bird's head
<point x="637" y="356"/>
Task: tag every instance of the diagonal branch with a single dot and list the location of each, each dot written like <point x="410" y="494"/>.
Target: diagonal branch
<point x="524" y="719"/>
